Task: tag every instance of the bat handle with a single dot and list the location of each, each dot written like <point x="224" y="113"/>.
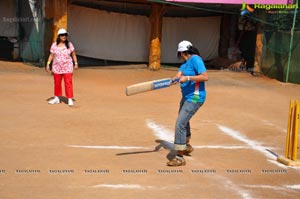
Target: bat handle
<point x="174" y="81"/>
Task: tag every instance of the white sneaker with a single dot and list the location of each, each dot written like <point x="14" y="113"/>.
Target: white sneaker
<point x="70" y="102"/>
<point x="55" y="100"/>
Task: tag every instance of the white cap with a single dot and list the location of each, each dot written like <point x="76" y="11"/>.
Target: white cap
<point x="184" y="46"/>
<point x="62" y="31"/>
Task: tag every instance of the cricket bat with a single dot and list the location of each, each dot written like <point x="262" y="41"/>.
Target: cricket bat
<point x="149" y="86"/>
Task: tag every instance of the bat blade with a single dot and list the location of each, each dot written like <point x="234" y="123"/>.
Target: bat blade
<point x="148" y="86"/>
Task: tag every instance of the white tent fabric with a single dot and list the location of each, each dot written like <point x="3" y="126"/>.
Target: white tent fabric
<point x="8" y="19"/>
<point x="122" y="37"/>
<point x="202" y="32"/>
<point x="109" y="35"/>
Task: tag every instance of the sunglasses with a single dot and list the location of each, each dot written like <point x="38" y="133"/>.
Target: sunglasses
<point x="62" y="35"/>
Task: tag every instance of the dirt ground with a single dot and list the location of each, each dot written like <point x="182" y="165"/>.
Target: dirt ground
<point x="113" y="146"/>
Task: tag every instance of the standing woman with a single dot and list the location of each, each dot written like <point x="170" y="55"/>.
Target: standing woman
<point x="61" y="53"/>
<point x="192" y="75"/>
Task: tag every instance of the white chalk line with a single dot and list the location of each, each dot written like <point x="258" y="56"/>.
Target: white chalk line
<point x="108" y="147"/>
<point x="122" y="186"/>
<point x="296" y="186"/>
<point x="251" y="143"/>
<point x="170" y="145"/>
<point x="277" y="188"/>
<point x="243" y="193"/>
<point x="283" y="165"/>
<point x="278" y="164"/>
<point x="164" y="134"/>
<point x="135" y="186"/>
<point x="268" y="123"/>
<point x="221" y="147"/>
<point x="160" y="131"/>
<point x="255" y="146"/>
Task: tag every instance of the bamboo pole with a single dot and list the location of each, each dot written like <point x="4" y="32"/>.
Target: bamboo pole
<point x="155" y="38"/>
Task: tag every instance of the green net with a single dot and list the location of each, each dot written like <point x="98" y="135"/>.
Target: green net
<point x="275" y="56"/>
<point x="281" y="37"/>
<point x="31" y="31"/>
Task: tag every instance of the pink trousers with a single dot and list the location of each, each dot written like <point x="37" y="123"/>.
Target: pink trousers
<point x="68" y="84"/>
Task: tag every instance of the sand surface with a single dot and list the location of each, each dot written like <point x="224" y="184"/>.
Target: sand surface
<point x="113" y="146"/>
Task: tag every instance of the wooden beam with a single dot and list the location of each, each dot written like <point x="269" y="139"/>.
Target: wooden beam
<point x="55" y="18"/>
<point x="258" y="51"/>
<point x="57" y="11"/>
<point x="60" y="15"/>
<point x="259" y="46"/>
<point x="155" y="38"/>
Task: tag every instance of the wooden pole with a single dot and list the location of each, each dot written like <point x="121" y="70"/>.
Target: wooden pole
<point x="56" y="12"/>
<point x="55" y="18"/>
<point x="259" y="45"/>
<point x="155" y="38"/>
<point x="60" y="16"/>
<point x="258" y="50"/>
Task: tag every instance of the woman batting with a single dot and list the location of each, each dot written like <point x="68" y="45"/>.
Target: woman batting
<point x="192" y="75"/>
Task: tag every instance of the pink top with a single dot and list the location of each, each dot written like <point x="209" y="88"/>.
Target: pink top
<point x="62" y="60"/>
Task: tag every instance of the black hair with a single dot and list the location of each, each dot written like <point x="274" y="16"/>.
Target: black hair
<point x="66" y="42"/>
<point x="191" y="51"/>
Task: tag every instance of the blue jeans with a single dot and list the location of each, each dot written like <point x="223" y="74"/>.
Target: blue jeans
<point x="182" y="128"/>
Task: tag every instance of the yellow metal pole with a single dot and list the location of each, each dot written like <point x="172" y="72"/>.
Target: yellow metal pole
<point x="288" y="135"/>
<point x="295" y="131"/>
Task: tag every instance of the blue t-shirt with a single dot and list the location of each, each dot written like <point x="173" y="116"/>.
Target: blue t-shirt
<point x="193" y="91"/>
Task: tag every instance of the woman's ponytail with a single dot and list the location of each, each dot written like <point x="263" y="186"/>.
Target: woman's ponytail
<point x="193" y="50"/>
